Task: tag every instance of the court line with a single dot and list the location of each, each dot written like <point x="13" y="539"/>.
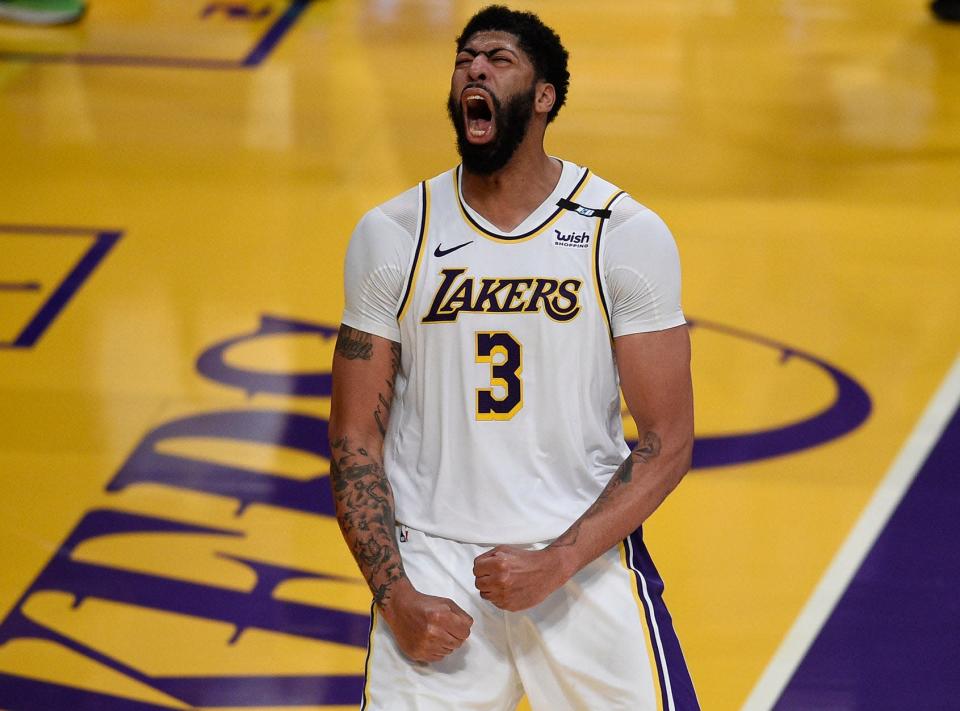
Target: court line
<point x="276" y="33"/>
<point x="253" y="58"/>
<point x="58" y="230"/>
<point x="849" y="557"/>
<point x="103" y="242"/>
<point x="19" y="286"/>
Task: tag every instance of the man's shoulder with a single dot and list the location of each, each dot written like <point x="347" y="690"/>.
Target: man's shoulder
<point x="401" y="211"/>
<point x="622" y="207"/>
<point x="404" y="209"/>
<point x="601" y="184"/>
<point x="603" y="195"/>
<point x="414" y="190"/>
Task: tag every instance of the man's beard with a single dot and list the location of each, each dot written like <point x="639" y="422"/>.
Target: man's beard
<point x="511" y="120"/>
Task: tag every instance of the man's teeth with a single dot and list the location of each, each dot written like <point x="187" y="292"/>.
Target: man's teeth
<point x="474" y="130"/>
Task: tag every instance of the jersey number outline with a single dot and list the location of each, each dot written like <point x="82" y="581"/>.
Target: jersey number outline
<point x="504" y="373"/>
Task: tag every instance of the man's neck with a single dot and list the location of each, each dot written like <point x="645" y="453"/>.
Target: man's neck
<point x="506" y="198"/>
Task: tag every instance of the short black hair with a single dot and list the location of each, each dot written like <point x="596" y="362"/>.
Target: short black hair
<point x="540" y="43"/>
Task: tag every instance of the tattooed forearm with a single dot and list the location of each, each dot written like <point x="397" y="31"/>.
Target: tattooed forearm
<point x="361" y="490"/>
<point x="646" y="450"/>
<point x="353" y="344"/>
<point x="364" y="502"/>
<point x="569" y="536"/>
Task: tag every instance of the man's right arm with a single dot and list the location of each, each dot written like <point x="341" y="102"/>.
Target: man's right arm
<point x="358" y="421"/>
<point x="365" y="366"/>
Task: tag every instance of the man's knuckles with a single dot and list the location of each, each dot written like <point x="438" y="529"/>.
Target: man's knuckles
<point x="491" y="565"/>
<point x="496" y="566"/>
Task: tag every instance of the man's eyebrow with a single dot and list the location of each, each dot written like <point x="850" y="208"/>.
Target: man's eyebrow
<point x="489" y="52"/>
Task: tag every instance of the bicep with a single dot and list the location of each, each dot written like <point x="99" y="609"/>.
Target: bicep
<point x="365" y="367"/>
<point x="654" y="370"/>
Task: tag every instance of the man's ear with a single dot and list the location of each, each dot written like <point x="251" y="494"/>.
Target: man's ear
<point x="544" y="98"/>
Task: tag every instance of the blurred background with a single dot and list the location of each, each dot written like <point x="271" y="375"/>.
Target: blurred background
<point x="178" y="184"/>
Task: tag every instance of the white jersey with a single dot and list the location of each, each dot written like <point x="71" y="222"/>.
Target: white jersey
<point x="506" y="423"/>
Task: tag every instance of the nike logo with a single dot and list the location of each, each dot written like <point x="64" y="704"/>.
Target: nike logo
<point x="440" y="252"/>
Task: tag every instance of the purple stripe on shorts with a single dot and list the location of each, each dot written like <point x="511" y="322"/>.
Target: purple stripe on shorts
<point x="665" y="642"/>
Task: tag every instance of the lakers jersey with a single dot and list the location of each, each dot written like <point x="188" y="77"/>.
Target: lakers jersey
<point x="506" y="422"/>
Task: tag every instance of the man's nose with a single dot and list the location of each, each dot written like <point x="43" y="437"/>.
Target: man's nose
<point x="478" y="68"/>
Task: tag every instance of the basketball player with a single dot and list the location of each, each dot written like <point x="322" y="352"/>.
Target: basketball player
<point x="478" y="462"/>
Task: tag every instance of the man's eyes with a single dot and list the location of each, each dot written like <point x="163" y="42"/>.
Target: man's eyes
<point x="499" y="58"/>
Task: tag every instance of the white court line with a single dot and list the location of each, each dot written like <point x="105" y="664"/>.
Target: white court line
<point x="851" y="554"/>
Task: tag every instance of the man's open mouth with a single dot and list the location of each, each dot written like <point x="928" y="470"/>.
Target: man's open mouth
<point x="478" y="115"/>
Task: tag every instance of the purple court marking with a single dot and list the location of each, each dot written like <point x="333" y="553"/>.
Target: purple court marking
<point x="850" y="409"/>
<point x="20" y="286"/>
<point x="256" y="608"/>
<point x="893" y="639"/>
<point x="103" y="241"/>
<point x="20" y="694"/>
<point x="254" y="57"/>
<point x="213" y="362"/>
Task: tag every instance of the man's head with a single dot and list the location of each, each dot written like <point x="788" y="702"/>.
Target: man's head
<point x="510" y="70"/>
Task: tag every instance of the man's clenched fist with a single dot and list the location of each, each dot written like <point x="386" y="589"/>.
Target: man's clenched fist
<point x="426" y="627"/>
<point x="515" y="578"/>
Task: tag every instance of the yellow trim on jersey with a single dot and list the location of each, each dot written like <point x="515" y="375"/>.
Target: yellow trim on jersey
<point x="595" y="263"/>
<point x="647" y="636"/>
<point x="495" y="237"/>
<point x="421" y="248"/>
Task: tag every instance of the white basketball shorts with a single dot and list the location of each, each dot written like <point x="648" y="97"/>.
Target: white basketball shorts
<point x="602" y="642"/>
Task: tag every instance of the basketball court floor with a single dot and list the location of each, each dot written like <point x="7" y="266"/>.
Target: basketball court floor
<point x="179" y="181"/>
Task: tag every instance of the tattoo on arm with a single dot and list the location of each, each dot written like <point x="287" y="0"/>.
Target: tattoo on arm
<point x="365" y="512"/>
<point x="382" y="413"/>
<point x="361" y="490"/>
<point x="646" y="450"/>
<point x="353" y="344"/>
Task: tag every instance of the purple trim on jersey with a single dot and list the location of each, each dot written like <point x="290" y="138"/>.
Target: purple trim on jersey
<point x="663" y="638"/>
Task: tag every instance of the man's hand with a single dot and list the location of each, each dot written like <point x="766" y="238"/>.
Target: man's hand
<point x="427" y="628"/>
<point x="515" y="578"/>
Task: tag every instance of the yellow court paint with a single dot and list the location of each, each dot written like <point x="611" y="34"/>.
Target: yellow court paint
<point x="163" y="401"/>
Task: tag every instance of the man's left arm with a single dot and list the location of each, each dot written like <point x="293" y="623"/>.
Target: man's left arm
<point x="654" y="373"/>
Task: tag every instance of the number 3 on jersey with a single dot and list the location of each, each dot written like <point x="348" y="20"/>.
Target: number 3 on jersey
<point x="505" y="355"/>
